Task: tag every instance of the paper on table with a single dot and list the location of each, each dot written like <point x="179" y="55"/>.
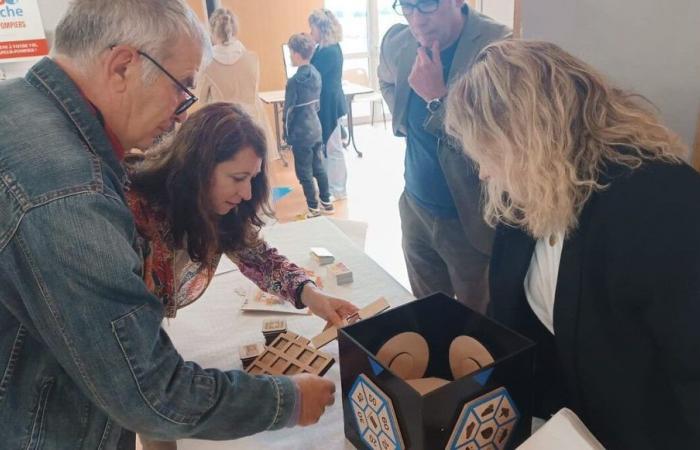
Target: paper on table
<point x="257" y="300"/>
<point x="225" y="266"/>
<point x="563" y="430"/>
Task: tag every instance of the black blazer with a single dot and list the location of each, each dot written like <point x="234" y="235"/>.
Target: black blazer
<point x="329" y="62"/>
<point x="625" y="354"/>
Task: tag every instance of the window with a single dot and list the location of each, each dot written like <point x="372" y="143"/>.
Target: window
<point x="386" y="17"/>
<point x="364" y="24"/>
<point x="353" y="18"/>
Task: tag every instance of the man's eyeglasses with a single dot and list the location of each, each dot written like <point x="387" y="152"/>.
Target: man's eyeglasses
<point x="191" y="98"/>
<point x="423" y="7"/>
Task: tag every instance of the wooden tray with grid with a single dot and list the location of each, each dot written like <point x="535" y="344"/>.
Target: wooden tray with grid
<point x="290" y="354"/>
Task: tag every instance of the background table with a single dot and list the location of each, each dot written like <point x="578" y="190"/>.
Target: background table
<point x="276" y="99"/>
<point x="211" y="330"/>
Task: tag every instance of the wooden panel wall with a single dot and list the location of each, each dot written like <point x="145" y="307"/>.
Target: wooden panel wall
<point x="265" y="25"/>
<point x="200" y="8"/>
<point x="517" y="24"/>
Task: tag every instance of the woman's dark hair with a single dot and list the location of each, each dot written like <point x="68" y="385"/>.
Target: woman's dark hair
<point x="176" y="179"/>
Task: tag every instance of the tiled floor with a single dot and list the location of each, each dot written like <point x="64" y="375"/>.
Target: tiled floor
<point x="375" y="183"/>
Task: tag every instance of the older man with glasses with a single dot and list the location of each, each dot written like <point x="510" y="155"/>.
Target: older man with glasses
<point x="446" y="242"/>
<point x="83" y="358"/>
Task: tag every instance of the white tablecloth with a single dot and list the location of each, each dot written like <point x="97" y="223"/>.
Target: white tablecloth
<point x="211" y="330"/>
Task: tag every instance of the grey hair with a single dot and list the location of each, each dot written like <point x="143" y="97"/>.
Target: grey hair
<point x="328" y="26"/>
<point x="90" y="27"/>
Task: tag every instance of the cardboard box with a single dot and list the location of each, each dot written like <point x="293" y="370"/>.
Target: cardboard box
<point x="382" y="411"/>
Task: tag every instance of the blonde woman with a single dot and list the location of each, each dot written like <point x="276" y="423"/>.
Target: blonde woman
<point x="234" y="73"/>
<point x="328" y="60"/>
<point x="597" y="250"/>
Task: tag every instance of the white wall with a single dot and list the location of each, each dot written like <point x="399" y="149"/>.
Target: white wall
<point x="500" y="10"/>
<point x="650" y="46"/>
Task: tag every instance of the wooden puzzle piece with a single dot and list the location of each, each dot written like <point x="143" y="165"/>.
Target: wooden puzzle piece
<point x="406" y="354"/>
<point x="341" y="273"/>
<point x="330" y="332"/>
<point x="290" y="354"/>
<point x="467" y="355"/>
<point x="272" y="328"/>
<point x="249" y="352"/>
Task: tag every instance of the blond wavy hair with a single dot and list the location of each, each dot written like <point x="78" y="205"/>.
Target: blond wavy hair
<point x="224" y="25"/>
<point x="328" y="26"/>
<point x="543" y="125"/>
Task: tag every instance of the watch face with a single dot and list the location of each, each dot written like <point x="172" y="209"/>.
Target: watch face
<point x="434" y="105"/>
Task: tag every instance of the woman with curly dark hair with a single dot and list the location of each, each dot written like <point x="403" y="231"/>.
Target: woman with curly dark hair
<point x="204" y="194"/>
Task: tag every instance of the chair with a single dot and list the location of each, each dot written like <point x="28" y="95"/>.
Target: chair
<point x="359" y="76"/>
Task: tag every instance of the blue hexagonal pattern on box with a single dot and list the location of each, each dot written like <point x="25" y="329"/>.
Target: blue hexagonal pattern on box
<point x="486" y="423"/>
<point x="374" y="416"/>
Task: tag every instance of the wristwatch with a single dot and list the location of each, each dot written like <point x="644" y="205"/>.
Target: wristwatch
<point x="434" y="104"/>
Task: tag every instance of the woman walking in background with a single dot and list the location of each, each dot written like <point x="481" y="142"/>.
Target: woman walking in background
<point x="328" y="60"/>
<point x="234" y="73"/>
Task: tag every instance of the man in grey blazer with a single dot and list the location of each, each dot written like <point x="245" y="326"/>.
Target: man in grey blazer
<point x="446" y="243"/>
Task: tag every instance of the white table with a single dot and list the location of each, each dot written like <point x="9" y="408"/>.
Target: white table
<point x="210" y="330"/>
<point x="276" y="99"/>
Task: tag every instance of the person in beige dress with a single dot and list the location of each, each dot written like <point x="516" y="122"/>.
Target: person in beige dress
<point x="234" y="73"/>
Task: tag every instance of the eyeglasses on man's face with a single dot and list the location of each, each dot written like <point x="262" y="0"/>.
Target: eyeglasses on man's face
<point x="423" y="7"/>
<point x="191" y="98"/>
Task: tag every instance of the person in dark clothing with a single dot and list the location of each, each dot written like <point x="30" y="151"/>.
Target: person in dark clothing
<point x="597" y="251"/>
<point x="445" y="241"/>
<point x="302" y="126"/>
<point x="328" y="60"/>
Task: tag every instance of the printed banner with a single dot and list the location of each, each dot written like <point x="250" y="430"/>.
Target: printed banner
<point x="21" y="31"/>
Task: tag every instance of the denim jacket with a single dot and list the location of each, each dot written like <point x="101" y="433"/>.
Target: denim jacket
<point x="83" y="357"/>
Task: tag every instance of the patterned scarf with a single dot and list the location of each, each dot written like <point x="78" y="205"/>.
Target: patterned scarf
<point x="158" y="252"/>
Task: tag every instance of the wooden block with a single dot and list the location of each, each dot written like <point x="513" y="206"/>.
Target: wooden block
<point x="272" y="328"/>
<point x="249" y="352"/>
<point x="406" y="354"/>
<point x="374" y="308"/>
<point x="274" y="325"/>
<point x="290" y="354"/>
<point x="322" y="255"/>
<point x="327" y="336"/>
<point x="330" y="332"/>
<point x="467" y="355"/>
<point x="341" y="273"/>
